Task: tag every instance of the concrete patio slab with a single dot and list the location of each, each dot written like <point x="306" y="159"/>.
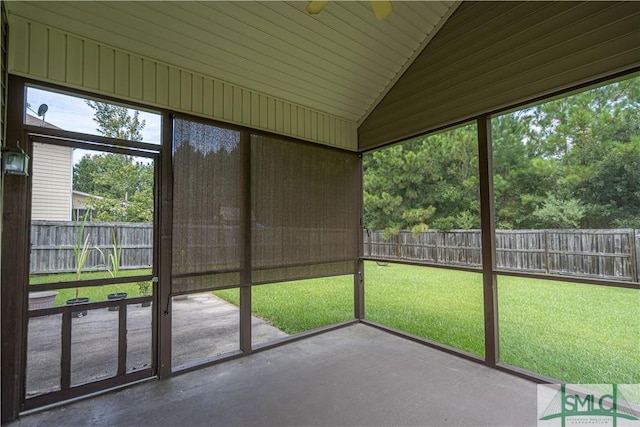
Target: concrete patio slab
<point x="353" y="376"/>
<point x="203" y="326"/>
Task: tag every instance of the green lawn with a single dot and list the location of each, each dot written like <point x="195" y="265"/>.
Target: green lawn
<point x="95" y="293"/>
<point x="578" y="333"/>
<point x="442" y="305"/>
<point x="572" y="332"/>
<point x="299" y="306"/>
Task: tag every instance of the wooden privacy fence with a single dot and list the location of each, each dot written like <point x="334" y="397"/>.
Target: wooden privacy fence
<point x="52" y="244"/>
<point x="605" y="254"/>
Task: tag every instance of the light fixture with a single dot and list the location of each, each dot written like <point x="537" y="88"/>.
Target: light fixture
<point x="381" y="8"/>
<point x="15" y="161"/>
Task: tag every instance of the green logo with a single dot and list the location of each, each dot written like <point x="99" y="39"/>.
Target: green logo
<point x="588" y="408"/>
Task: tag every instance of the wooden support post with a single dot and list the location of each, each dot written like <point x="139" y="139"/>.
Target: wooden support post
<point x="162" y="305"/>
<point x="15" y="261"/>
<point x="490" y="289"/>
<point x="65" y="347"/>
<point x="358" y="290"/>
<point x="245" y="241"/>
<point x="547" y="259"/>
<point x="358" y="267"/>
<point x="122" y="338"/>
<point x="635" y="254"/>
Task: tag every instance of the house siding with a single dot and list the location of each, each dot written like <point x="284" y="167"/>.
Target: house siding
<point x="52" y="180"/>
<point x="492" y="55"/>
<point x="47" y="54"/>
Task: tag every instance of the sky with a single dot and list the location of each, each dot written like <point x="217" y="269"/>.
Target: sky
<point x="73" y="114"/>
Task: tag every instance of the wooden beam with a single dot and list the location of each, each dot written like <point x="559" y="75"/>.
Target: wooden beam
<point x="245" y="241"/>
<point x="15" y="261"/>
<point x="490" y="290"/>
<point x="163" y="287"/>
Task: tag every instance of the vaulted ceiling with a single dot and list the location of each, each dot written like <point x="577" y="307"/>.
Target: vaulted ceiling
<point x="341" y="61"/>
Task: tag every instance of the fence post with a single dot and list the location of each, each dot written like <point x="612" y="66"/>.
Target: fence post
<point x="546" y="250"/>
<point x="635" y="255"/>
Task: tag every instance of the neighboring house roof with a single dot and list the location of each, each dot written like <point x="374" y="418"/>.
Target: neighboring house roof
<point x="80" y="193"/>
<point x="36" y="121"/>
<point x="81" y="200"/>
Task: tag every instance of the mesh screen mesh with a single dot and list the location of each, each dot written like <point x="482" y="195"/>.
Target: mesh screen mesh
<point x="304" y="209"/>
<point x="206" y="204"/>
<point x="305" y="202"/>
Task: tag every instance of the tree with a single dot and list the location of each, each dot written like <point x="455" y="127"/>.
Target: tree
<point x="428" y="181"/>
<point x="114" y="121"/>
<point x="570" y="162"/>
<point x="124" y="183"/>
<point x="612" y="192"/>
<point x="559" y="213"/>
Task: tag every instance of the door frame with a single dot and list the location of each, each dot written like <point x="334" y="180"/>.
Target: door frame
<point x="67" y="391"/>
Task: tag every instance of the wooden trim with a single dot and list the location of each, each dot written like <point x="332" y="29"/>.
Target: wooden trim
<point x="358" y="290"/>
<point x="210" y="361"/>
<point x="122" y="340"/>
<point x="100" y="148"/>
<point x="65" y="359"/>
<point x="15" y="267"/>
<point x="513" y="370"/>
<point x="294" y="278"/>
<point x="424" y="264"/>
<point x="527" y="375"/>
<point x="499" y="272"/>
<point x="358" y="266"/>
<point x="88" y="306"/>
<point x="572" y="279"/>
<point x="87" y="283"/>
<point x="490" y="289"/>
<point x="206" y="273"/>
<point x="425" y="341"/>
<point x="85" y="390"/>
<point x="155" y="288"/>
<point x="88" y="139"/>
<point x="163" y="297"/>
<point x="245" y="238"/>
<point x="307" y="334"/>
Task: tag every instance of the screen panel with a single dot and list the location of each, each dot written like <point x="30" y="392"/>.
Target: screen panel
<point x="304" y="210"/>
<point x="206" y="208"/>
<point x="304" y="202"/>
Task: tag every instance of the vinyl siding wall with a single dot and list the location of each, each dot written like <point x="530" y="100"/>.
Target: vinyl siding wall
<point x="491" y="55"/>
<point x="52" y="180"/>
<point x="47" y="54"/>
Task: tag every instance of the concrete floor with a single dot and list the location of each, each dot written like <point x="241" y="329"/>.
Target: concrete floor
<point x="203" y="326"/>
<point x="354" y="376"/>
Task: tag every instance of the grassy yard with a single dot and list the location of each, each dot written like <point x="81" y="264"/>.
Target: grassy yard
<point x="571" y="332"/>
<point x="299" y="306"/>
<point x="578" y="333"/>
<point x="95" y="293"/>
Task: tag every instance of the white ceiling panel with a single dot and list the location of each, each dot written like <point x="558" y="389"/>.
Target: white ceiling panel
<point x="341" y="61"/>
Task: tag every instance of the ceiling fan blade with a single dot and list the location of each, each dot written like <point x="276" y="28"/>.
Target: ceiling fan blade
<point x="382" y="8"/>
<point x="316" y="6"/>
